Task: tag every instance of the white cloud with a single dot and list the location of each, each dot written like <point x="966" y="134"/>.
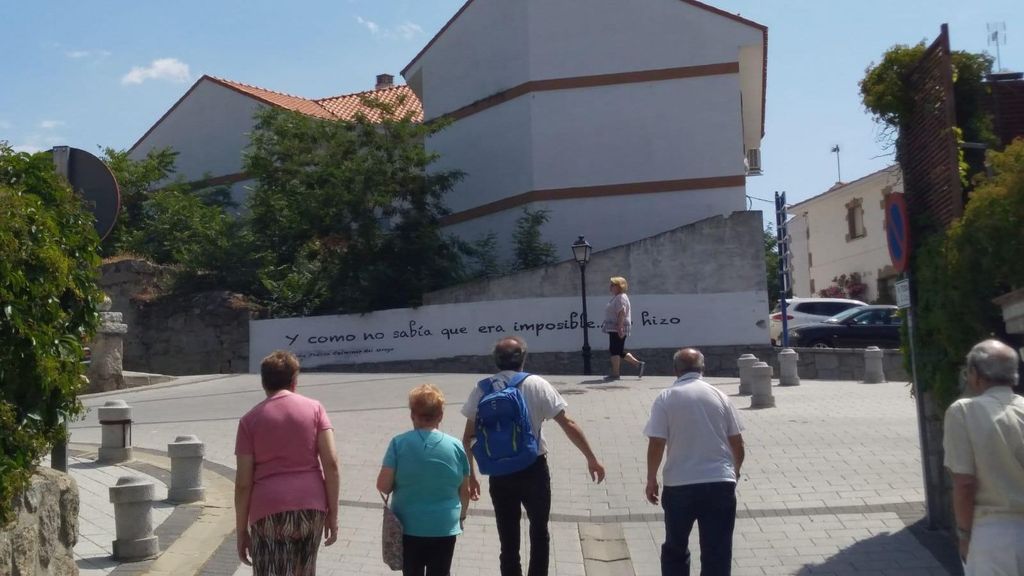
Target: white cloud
<point x="80" y="54"/>
<point x="370" y="25"/>
<point x="50" y="124"/>
<point x="405" y="31"/>
<point x="409" y="30"/>
<point x="169" y="69"/>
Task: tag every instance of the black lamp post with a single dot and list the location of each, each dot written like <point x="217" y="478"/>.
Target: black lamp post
<point x="581" y="252"/>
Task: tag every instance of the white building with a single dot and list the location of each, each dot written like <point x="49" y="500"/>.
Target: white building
<point x="842" y="232"/>
<point x="623" y="118"/>
<point x="209" y="125"/>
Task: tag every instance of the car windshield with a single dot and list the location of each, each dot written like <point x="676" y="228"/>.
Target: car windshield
<point x="844" y="315"/>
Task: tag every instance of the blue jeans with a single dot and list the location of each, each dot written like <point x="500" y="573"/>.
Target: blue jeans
<point x="713" y="507"/>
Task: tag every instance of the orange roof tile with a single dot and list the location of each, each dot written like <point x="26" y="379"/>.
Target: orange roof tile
<point x="342" y="107"/>
<point x="279" y="99"/>
<point x="346" y="107"/>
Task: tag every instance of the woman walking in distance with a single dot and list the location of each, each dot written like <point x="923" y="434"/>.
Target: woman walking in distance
<point x="287" y="479"/>
<point x="428" y="472"/>
<point x="617" y="324"/>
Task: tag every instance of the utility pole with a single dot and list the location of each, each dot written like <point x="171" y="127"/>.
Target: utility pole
<point x="839" y="168"/>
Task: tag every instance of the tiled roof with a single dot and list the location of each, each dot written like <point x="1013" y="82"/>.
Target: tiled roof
<point x="279" y="99"/>
<point x="342" y="107"/>
<point x="401" y="97"/>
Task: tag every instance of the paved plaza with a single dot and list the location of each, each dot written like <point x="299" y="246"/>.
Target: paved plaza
<point x="831" y="484"/>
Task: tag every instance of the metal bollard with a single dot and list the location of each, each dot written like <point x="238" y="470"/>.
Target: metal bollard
<point x="874" y="373"/>
<point x="788" y="373"/>
<point x="116" y="419"/>
<point x="133" y="519"/>
<point x="186" y="454"/>
<point x="744" y="363"/>
<point x="761" y="386"/>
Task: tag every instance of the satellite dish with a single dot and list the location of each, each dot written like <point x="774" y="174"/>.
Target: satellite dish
<point x="91" y="178"/>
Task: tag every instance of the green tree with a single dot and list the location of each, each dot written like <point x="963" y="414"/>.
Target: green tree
<point x="347" y="215"/>
<point x="530" y="248"/>
<point x="136" y="179"/>
<point x="886" y="96"/>
<point x="48" y="298"/>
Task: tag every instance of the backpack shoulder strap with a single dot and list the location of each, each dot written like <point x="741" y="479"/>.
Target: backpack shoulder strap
<point x="517" y="379"/>
<point x="486" y="385"/>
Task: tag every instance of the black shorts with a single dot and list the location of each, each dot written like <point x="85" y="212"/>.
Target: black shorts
<point x="616" y="344"/>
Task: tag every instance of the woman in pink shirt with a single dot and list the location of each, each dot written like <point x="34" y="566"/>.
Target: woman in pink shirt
<point x="287" y="476"/>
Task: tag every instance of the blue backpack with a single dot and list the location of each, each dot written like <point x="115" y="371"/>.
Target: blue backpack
<point x="505" y="442"/>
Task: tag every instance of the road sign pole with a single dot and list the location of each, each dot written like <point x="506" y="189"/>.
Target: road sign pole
<point x="782" y="237"/>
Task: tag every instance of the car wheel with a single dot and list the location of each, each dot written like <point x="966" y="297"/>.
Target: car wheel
<point x="822" y="344"/>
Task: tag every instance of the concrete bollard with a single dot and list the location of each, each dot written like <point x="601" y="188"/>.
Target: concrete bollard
<point x="788" y="373"/>
<point x="116" y="420"/>
<point x="744" y="363"/>
<point x="133" y="519"/>
<point x="106" y="370"/>
<point x="761" y="386"/>
<point x="186" y="454"/>
<point x="873" y="371"/>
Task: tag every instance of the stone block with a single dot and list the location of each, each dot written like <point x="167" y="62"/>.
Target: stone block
<point x="826" y="361"/>
<point x="25" y="549"/>
<point x="132" y="497"/>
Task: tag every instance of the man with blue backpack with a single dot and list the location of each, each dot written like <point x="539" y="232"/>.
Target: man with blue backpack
<point x="504" y="437"/>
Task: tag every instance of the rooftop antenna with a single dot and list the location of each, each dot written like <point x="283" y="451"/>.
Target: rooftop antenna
<point x="997" y="37"/>
<point x="839" y="168"/>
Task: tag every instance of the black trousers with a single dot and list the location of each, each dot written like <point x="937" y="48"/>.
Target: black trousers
<point x="427" y="556"/>
<point x="713" y="507"/>
<point x="529" y="489"/>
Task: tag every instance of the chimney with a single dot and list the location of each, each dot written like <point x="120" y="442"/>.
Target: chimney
<point x="384" y="81"/>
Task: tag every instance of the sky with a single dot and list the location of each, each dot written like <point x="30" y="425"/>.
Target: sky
<point x="99" y="74"/>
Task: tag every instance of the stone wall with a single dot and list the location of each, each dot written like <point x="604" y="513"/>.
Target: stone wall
<point x="41" y="542"/>
<point x="204" y="333"/>
<point x="720" y="361"/>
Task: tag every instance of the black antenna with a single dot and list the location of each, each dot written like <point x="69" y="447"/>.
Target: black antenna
<point x="997" y="37"/>
<point x="839" y="168"/>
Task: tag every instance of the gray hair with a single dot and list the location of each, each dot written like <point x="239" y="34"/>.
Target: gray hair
<point x="994" y="362"/>
<point x="510" y="353"/>
<point x="688" y="360"/>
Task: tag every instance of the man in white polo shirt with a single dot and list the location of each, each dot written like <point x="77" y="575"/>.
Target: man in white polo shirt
<point x="698" y="427"/>
<point x="984" y="444"/>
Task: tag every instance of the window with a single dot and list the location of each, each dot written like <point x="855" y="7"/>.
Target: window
<point x="812" y="284"/>
<point x="877" y="317"/>
<point x="855" y="220"/>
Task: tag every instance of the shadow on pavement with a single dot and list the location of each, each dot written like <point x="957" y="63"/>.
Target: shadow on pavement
<point x="890" y="552"/>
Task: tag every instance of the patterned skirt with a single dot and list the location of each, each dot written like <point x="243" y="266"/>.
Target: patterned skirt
<point x="286" y="544"/>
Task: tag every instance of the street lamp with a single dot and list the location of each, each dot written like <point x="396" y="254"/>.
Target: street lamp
<point x="581" y="252"/>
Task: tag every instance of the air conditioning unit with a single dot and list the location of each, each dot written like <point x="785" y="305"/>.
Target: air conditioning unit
<point x="754" y="162"/>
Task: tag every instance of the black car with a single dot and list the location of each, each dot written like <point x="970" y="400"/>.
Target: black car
<point x="855" y="328"/>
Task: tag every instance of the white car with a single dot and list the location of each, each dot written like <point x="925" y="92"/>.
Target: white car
<point x="800" y="311"/>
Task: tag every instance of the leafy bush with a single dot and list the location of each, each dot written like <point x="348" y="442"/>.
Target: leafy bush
<point x="48" y="298"/>
<point x="959" y="272"/>
<point x="531" y="249"/>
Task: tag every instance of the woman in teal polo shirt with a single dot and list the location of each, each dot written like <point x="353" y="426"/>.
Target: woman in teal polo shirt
<point x="429" y="474"/>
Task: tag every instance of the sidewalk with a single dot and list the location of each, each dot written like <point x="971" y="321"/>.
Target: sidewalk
<point x="832" y="482"/>
<point x="96" y="531"/>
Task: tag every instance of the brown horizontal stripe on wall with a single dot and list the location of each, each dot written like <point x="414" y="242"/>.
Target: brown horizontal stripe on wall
<point x="593" y="192"/>
<point x="594" y="81"/>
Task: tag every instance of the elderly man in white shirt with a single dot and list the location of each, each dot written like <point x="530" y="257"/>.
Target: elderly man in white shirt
<point x="984" y="444"/>
<point x="696" y="425"/>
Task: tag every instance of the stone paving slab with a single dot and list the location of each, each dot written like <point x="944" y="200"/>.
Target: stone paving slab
<point x="828" y="452"/>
